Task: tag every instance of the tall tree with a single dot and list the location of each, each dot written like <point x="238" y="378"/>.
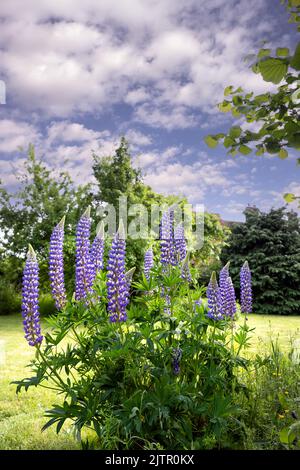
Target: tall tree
<point x="271" y="244"/>
<point x="29" y="214"/>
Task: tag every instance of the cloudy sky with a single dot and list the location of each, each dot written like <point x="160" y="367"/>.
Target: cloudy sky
<point x="80" y="74"/>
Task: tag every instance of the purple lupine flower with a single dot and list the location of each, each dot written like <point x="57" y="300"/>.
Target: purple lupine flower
<point x="230" y="304"/>
<point x="223" y="287"/>
<point x="97" y="251"/>
<point x="172" y="248"/>
<point x="176" y="358"/>
<point x="212" y="294"/>
<point x="180" y="243"/>
<point x="148" y="263"/>
<point x="84" y="268"/>
<point x="165" y="239"/>
<point x="246" y="288"/>
<point x="30" y="300"/>
<point x="117" y="286"/>
<point x="185" y="270"/>
<point x="56" y="265"/>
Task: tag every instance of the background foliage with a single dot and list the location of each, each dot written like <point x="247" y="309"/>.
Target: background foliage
<point x="271" y="244"/>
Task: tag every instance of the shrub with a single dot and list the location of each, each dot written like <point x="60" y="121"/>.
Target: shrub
<point x="159" y="373"/>
<point x="271" y="244"/>
<point x="10" y="299"/>
<point x="158" y="379"/>
<point x="47" y="305"/>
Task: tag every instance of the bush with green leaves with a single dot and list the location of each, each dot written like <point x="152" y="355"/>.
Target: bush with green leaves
<point x="271" y="243"/>
<point x="163" y="379"/>
<point x="119" y="380"/>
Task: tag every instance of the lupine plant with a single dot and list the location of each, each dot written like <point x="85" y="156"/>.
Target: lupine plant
<point x="56" y="265"/>
<point x="97" y="251"/>
<point x="137" y="376"/>
<point x="246" y="290"/>
<point x="30" y="296"/>
<point x="148" y="263"/>
<point x="84" y="266"/>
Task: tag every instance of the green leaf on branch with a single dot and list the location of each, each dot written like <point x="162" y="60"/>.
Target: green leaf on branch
<point x="273" y="147"/>
<point x="289" y="197"/>
<point x="260" y="151"/>
<point x="273" y="70"/>
<point x="228" y="142"/>
<point x="282" y="51"/>
<point x="283" y="154"/>
<point x="295" y="61"/>
<point x="244" y="149"/>
<point x="211" y="141"/>
<point x="261" y="98"/>
<point x="294" y="140"/>
<point x="263" y="53"/>
<point x="225" y="106"/>
<point x="235" y="132"/>
<point x="228" y="90"/>
<point x="237" y="100"/>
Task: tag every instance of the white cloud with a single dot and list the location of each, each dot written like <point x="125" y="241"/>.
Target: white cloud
<point x="137" y="138"/>
<point x="72" y="132"/>
<point x="158" y="56"/>
<point x="14" y="134"/>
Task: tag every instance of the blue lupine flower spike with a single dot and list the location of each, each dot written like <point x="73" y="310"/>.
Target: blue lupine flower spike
<point x="84" y="267"/>
<point x="246" y="288"/>
<point x="56" y="265"/>
<point x="117" y="286"/>
<point x="30" y="300"/>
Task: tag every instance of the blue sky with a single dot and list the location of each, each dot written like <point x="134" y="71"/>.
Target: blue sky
<point x="81" y="74"/>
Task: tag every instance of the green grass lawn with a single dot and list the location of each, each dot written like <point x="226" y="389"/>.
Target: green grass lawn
<point x="268" y="327"/>
<point x="21" y="416"/>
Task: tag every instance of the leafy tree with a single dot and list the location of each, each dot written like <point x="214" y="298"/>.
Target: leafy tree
<point x="207" y="259"/>
<point x="271" y="244"/>
<point x="29" y="215"/>
<point x="275" y="113"/>
<point x="117" y="177"/>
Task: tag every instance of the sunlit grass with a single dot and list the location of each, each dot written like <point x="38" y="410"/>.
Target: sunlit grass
<point x="21" y="416"/>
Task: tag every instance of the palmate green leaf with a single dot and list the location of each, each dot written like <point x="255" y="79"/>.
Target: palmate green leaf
<point x="211" y="141"/>
<point x="273" y="70"/>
